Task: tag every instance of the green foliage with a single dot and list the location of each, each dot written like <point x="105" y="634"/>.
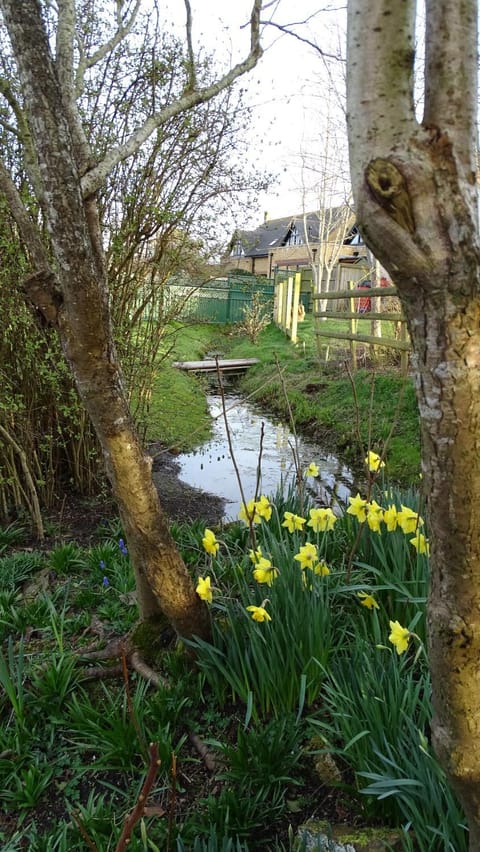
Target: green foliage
<point x="268" y="698"/>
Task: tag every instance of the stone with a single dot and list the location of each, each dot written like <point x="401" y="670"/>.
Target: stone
<point x="320" y="836"/>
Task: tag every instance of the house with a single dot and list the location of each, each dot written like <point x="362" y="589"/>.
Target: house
<point x="300" y="242"/>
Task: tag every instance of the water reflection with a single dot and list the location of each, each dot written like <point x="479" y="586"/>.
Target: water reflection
<point x="211" y="469"/>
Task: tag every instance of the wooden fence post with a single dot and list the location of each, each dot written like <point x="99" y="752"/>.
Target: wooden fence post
<point x="353" y="327"/>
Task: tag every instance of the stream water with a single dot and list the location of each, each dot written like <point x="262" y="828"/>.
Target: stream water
<point x="210" y="467"/>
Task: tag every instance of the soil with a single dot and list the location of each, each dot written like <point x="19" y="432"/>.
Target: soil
<point x="180" y="501"/>
<point x="80" y="519"/>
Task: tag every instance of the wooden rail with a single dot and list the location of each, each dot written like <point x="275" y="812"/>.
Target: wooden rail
<point x="354" y="316"/>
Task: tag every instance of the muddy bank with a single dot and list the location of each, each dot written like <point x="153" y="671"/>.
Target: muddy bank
<point x="180" y="501"/>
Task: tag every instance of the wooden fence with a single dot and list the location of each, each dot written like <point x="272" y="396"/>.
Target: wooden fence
<point x="355" y="316"/>
<point x="287" y="302"/>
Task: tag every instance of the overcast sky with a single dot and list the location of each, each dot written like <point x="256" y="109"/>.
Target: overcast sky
<point x="287" y="89"/>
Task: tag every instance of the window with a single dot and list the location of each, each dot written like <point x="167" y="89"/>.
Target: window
<point x="294" y="238"/>
<point x="237" y="250"/>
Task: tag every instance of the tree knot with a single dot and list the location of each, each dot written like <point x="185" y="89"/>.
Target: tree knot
<point x="389" y="189"/>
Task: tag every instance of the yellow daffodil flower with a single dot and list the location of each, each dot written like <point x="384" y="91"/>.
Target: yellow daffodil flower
<point x="307" y="555"/>
<point x="203" y="589"/>
<point x="357" y="508"/>
<point x="390" y="518"/>
<point x="321" y="569"/>
<point x="374" y="462"/>
<point x="321" y="520"/>
<point x="259" y="613"/>
<point x="248" y="513"/>
<point x="210" y="542"/>
<point x="255" y="555"/>
<point x="408" y="520"/>
<point x="263" y="508"/>
<point x="367" y="600"/>
<point x="312" y="470"/>
<point x="399" y="636"/>
<point x="420" y="544"/>
<point x="293" y="522"/>
<point x="374" y="515"/>
<point x="265" y="572"/>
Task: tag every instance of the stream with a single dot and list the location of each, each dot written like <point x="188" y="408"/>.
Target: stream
<point x="210" y="467"/>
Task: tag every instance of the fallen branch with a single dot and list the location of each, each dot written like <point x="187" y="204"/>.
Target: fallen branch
<point x="139" y="809"/>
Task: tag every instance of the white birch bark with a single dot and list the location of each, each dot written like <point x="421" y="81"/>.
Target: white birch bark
<point x="415" y="190"/>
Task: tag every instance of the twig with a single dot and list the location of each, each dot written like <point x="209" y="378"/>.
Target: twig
<point x="295" y="450"/>
<point x="357" y="408"/>
<point x="173" y="801"/>
<point x="83" y="831"/>
<point x="131" y="709"/>
<point x="249" y="515"/>
<point x="259" y="462"/>
<point x="138" y="811"/>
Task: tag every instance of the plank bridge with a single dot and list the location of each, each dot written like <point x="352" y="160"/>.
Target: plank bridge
<point x="210" y="365"/>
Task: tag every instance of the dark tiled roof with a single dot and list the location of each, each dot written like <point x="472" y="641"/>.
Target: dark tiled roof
<point x="276" y="232"/>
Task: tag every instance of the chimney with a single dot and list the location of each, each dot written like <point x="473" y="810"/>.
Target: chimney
<point x="265" y="217"/>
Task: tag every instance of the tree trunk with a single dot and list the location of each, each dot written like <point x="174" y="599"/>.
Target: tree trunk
<point x="77" y="292"/>
<point x="416" y="196"/>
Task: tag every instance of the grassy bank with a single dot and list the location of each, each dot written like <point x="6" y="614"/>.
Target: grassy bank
<point x="342" y="411"/>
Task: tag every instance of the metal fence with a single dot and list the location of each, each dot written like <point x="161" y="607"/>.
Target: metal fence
<point x="223" y="300"/>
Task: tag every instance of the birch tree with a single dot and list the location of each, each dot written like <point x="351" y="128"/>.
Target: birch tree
<point x="68" y="280"/>
<point x="416" y="194"/>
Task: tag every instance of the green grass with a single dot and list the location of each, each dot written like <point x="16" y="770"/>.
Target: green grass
<point x="322" y="399"/>
<point x="319" y="683"/>
<point x="340" y="410"/>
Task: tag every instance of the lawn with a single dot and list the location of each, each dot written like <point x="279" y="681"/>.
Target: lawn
<point x="312" y="700"/>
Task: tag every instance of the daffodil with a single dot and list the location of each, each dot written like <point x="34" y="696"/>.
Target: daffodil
<point x="374" y="462"/>
<point x="293" y="522"/>
<point x="210" y="542"/>
<point x="321" y="520"/>
<point x="374" y="515"/>
<point x="307" y="555"/>
<point x="259" y="613"/>
<point x="357" y="508"/>
<point x="248" y="513"/>
<point x="321" y="569"/>
<point x="203" y="589"/>
<point x="408" y="520"/>
<point x="399" y="637"/>
<point x="312" y="470"/>
<point x="255" y="555"/>
<point x="390" y="518"/>
<point x="420" y="544"/>
<point x="367" y="600"/>
<point x="265" y="572"/>
<point x="263" y="508"/>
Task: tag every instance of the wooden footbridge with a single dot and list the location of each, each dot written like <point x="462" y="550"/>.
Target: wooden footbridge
<point x="211" y="365"/>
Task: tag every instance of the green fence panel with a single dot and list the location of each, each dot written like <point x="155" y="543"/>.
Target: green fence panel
<point x="224" y="301"/>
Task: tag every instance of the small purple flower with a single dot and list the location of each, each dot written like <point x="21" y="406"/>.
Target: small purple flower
<point x="103" y="564"/>
<point x="122" y="546"/>
<point x="105" y="582"/>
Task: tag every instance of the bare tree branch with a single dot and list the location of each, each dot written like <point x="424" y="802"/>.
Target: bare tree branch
<point x="89" y="61"/>
<point x="192" y="82"/>
<point x="285" y="28"/>
<point x="96" y="176"/>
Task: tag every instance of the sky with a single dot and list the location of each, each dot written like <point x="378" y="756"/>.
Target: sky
<point x="287" y="90"/>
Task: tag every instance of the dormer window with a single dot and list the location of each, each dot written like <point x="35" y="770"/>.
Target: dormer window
<point x="294" y="238"/>
<point x="354" y="238"/>
<point x="237" y="250"/>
